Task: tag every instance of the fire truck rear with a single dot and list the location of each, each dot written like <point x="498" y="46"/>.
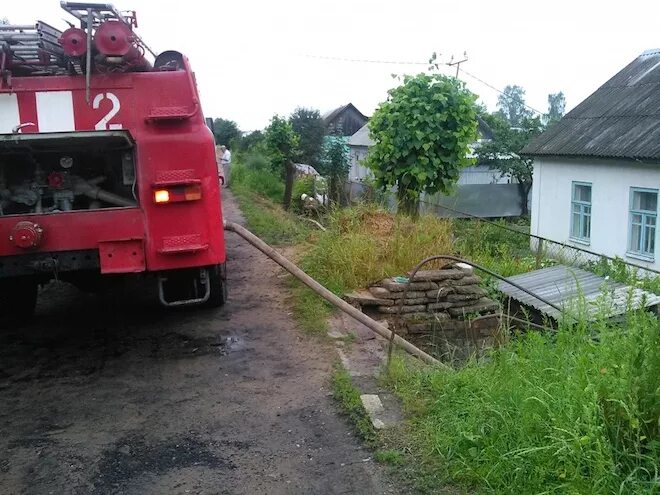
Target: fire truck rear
<point x="107" y="167"/>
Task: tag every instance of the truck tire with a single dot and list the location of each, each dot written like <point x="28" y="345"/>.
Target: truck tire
<point x="218" y="281"/>
<point x="18" y="299"/>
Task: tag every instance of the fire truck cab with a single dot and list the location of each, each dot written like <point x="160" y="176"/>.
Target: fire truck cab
<point x="107" y="167"/>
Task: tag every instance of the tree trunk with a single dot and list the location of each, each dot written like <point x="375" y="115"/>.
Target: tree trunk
<point x="408" y="203"/>
<point x="335" y="189"/>
<point x="523" y="190"/>
<point x="288" y="185"/>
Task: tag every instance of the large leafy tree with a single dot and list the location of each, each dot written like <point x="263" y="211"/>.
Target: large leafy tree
<point x="282" y="144"/>
<point x="308" y="124"/>
<point x="556" y="108"/>
<point x="335" y="163"/>
<point x="502" y="153"/>
<point x="421" y="136"/>
<point x="226" y="132"/>
<point x="511" y="105"/>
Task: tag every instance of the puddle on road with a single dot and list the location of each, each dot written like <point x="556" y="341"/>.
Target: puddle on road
<point x="175" y="345"/>
<point x="232" y="343"/>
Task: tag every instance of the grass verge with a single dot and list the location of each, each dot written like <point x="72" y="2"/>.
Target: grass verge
<point x="564" y="413"/>
<point x="350" y="403"/>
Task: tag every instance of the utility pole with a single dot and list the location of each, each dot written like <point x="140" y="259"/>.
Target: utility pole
<point x="451" y="63"/>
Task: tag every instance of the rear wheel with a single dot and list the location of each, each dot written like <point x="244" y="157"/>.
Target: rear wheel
<point x="218" y="281"/>
<point x="18" y="299"/>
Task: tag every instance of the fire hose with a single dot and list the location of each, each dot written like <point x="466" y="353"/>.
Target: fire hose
<point x="351" y="311"/>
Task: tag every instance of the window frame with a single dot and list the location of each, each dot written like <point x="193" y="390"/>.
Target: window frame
<point x="643" y="214"/>
<point x="582" y="204"/>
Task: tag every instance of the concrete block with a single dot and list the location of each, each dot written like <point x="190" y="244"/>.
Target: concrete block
<point x="439" y="275"/>
<point x="393" y="286"/>
<point x="404" y="309"/>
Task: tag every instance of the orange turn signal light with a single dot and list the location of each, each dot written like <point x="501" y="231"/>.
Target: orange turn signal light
<point x="193" y="192"/>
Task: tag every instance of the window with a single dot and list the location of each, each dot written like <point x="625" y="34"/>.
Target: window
<point x="581" y="212"/>
<point x="643" y="219"/>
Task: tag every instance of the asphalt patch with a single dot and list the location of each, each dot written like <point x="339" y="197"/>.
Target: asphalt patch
<point x="134" y="456"/>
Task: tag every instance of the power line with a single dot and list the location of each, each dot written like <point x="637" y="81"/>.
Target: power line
<point x="364" y="61"/>
<point x="498" y="90"/>
<point x="395" y="62"/>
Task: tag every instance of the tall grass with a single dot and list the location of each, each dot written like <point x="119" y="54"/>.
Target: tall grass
<point x="365" y="244"/>
<point x="563" y="413"/>
<point x="504" y="252"/>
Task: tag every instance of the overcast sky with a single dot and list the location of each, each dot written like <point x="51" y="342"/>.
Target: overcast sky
<point x="257" y="58"/>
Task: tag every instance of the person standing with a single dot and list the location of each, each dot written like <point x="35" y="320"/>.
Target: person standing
<point x="225" y="161"/>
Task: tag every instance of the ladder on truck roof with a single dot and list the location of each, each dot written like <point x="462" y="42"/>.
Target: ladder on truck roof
<point x="31" y="49"/>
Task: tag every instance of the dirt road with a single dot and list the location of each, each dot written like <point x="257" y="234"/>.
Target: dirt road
<point x="115" y="395"/>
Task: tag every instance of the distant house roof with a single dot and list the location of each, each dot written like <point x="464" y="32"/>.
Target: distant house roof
<point x="620" y="120"/>
<point x="344" y="120"/>
<point x="331" y="114"/>
<point x="361" y="137"/>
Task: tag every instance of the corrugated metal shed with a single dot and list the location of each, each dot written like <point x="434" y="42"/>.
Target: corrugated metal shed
<point x="620" y="120"/>
<point x="575" y="291"/>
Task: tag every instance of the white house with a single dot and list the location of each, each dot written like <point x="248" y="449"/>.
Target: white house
<point x="597" y="171"/>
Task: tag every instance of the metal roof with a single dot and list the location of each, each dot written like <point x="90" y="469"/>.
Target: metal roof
<point x="577" y="291"/>
<point x="361" y="137"/>
<point x="331" y="114"/>
<point x="620" y="120"/>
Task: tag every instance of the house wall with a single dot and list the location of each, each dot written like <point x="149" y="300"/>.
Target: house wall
<point x="611" y="181"/>
<point x="358" y="171"/>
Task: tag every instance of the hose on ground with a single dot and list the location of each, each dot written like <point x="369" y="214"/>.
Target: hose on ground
<point x="330" y="297"/>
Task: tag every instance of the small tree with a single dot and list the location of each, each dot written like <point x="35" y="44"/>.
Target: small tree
<point x="335" y="163"/>
<point x="502" y="153"/>
<point x="421" y="137"/>
<point x="511" y="105"/>
<point x="556" y="108"/>
<point x="309" y="126"/>
<point x="282" y="144"/>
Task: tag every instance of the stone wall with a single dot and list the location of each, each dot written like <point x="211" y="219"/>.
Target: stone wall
<point x="445" y="308"/>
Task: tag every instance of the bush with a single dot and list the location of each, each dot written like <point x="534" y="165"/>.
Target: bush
<point x="562" y="413"/>
<point x="257" y="162"/>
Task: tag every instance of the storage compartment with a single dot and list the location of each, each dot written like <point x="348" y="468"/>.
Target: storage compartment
<point x="66" y="171"/>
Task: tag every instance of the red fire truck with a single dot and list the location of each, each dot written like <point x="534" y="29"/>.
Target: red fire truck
<point x="107" y="166"/>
